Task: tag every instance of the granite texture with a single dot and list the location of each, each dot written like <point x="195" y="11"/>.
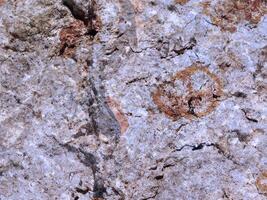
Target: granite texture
<point x="133" y="99"/>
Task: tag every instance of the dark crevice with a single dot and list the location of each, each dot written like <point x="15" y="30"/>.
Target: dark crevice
<point x="249" y="118"/>
<point x="96" y="111"/>
<point x="215" y="96"/>
<point x="87" y="129"/>
<point x="135" y="80"/>
<point x="192" y="43"/>
<point x="172" y="8"/>
<point x="111" y="51"/>
<point x="141" y="50"/>
<point x="153" y="168"/>
<point x="82" y="191"/>
<point x="99" y="189"/>
<point x="226" y="155"/>
<point x="225" y="195"/>
<point x="76" y="11"/>
<point x="198" y="147"/>
<point x="169" y="165"/>
<point x="79" y="134"/>
<point x="89" y="160"/>
<point x="225" y="65"/>
<point x="240" y="95"/>
<point x="89" y="18"/>
<point x="159" y="177"/>
<point x="195" y="147"/>
<point x="119" y="193"/>
<point x="12" y="164"/>
<point x="180" y="127"/>
<point x="92" y="31"/>
<point x="204" y="144"/>
<point x="258" y="71"/>
<point x="62" y="49"/>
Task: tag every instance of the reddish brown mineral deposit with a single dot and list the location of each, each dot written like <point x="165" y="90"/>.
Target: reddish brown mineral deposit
<point x="118" y="113"/>
<point x="227" y="14"/>
<point x="189" y="102"/>
<point x="2" y="2"/>
<point x="261" y="183"/>
<point x="182" y="2"/>
<point x="69" y="37"/>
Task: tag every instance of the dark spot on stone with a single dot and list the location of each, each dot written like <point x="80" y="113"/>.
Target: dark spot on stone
<point x="240" y="95"/>
<point x="171" y="8"/>
<point x="198" y="147"/>
<point x="99" y="189"/>
<point x="152" y="3"/>
<point x="75" y="10"/>
<point x="159" y="177"/>
<point x="82" y="191"/>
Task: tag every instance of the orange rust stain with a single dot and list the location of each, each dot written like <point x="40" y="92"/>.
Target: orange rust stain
<point x="182" y="2"/>
<point x="69" y="37"/>
<point x="2" y="2"/>
<point x="261" y="183"/>
<point x="227" y="14"/>
<point x="190" y="102"/>
<point x="118" y="113"/>
<point x="205" y="6"/>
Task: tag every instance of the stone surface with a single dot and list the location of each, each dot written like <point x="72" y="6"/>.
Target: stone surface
<point x="133" y="99"/>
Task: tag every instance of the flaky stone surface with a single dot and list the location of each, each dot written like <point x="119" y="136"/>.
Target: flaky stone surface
<point x="133" y="99"/>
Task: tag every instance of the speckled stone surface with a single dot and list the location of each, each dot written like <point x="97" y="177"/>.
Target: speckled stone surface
<point x="133" y="99"/>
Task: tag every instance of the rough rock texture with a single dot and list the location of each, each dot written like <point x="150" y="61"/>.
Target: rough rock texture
<point x="133" y="99"/>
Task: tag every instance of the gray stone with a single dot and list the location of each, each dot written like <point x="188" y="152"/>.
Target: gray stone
<point x="133" y="99"/>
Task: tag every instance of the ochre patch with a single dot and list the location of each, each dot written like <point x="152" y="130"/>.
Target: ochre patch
<point x="227" y="14"/>
<point x="182" y="2"/>
<point x="69" y="37"/>
<point x="261" y="183"/>
<point x="118" y="113"/>
<point x="2" y="2"/>
<point x="185" y="100"/>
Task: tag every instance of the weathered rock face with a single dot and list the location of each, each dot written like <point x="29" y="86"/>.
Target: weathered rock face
<point x="133" y="99"/>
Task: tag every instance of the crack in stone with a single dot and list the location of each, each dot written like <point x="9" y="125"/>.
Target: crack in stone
<point x="249" y="118"/>
<point x="205" y="144"/>
<point x="136" y="80"/>
<point x="195" y="147"/>
<point x="75" y="10"/>
<point x="239" y="94"/>
<point x="180" y="127"/>
<point x="89" y="160"/>
<point x="119" y="193"/>
<point x="189" y="46"/>
<point x="89" y="19"/>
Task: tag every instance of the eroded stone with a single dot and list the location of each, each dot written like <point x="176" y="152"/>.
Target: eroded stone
<point x="228" y="14"/>
<point x="261" y="183"/>
<point x="194" y="97"/>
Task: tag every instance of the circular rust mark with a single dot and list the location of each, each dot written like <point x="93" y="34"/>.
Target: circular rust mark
<point x="261" y="183"/>
<point x="190" y="93"/>
<point x="227" y="14"/>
